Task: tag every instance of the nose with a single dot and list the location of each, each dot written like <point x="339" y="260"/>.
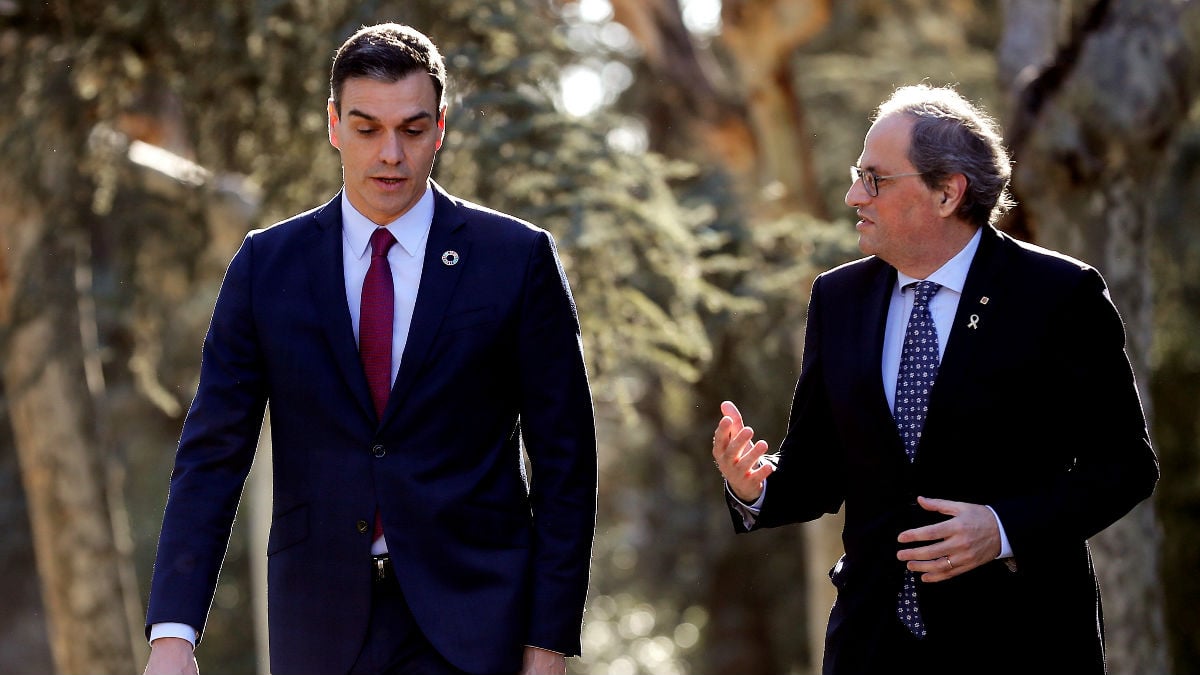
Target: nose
<point x="857" y="194"/>
<point x="392" y="151"/>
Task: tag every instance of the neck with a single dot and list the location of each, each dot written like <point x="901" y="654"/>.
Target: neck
<point x="938" y="253"/>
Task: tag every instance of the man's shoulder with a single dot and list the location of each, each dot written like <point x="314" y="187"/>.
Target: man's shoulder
<point x="1031" y="259"/>
<point x="487" y="220"/>
<point x="327" y="214"/>
<point x="856" y="272"/>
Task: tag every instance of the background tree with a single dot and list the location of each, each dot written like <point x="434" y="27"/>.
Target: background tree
<point x="1089" y="166"/>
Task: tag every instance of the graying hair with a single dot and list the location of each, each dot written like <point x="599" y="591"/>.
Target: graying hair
<point x="951" y="135"/>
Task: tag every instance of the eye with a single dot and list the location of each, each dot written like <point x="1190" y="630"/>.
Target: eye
<point x="366" y="131"/>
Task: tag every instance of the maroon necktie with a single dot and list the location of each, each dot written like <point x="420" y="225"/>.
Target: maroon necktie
<point x="375" y="328"/>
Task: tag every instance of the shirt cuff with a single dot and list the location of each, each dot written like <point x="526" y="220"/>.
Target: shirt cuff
<point x="173" y="630"/>
<point x="1005" y="548"/>
<point x="749" y="512"/>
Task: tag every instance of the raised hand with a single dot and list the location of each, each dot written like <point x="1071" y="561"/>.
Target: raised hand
<point x="739" y="457"/>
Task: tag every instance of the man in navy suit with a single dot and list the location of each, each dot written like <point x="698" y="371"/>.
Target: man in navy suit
<point x="1021" y="434"/>
<point x="474" y="567"/>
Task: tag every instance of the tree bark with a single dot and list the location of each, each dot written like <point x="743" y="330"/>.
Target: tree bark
<point x="24" y="643"/>
<point x="80" y="539"/>
<point x="750" y="121"/>
<point x="1085" y="158"/>
<point x="50" y="361"/>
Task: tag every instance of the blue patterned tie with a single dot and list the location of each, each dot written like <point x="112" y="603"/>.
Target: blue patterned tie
<point x="918" y="368"/>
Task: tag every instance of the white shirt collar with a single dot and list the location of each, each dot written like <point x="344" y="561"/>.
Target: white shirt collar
<point x="409" y="229"/>
<point x="953" y="274"/>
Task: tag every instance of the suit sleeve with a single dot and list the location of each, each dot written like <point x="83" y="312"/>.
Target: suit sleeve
<point x="558" y="430"/>
<point x="1109" y="465"/>
<point x="215" y="452"/>
<point x="810" y="479"/>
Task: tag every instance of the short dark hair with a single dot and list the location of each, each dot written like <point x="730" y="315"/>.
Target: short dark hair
<point x="386" y="52"/>
<point x="951" y="135"/>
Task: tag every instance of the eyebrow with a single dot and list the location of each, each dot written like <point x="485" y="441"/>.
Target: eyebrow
<point x="423" y="115"/>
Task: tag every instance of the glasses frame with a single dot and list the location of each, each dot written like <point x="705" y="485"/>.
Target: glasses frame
<point x="870" y="179"/>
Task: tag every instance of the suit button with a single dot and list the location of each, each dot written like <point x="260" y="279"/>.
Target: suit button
<point x="378" y="450"/>
<point x="362" y="526"/>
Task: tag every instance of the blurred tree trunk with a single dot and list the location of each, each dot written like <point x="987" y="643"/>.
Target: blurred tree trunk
<point x="1176" y="393"/>
<point x="50" y="361"/>
<point x="80" y="529"/>
<point x="1095" y="108"/>
<point x="747" y="119"/>
<point x="750" y="122"/>
<point x="24" y="644"/>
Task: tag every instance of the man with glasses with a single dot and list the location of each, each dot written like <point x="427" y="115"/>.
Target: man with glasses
<point x="967" y="398"/>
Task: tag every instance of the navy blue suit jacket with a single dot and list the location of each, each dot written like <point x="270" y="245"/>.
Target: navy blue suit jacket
<point x="1034" y="412"/>
<point x="488" y="559"/>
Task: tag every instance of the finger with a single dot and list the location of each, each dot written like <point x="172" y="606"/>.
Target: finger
<point x="942" y="569"/>
<point x="744" y="443"/>
<point x="934" y="577"/>
<point x="750" y="458"/>
<point x="935" y="532"/>
<point x="761" y="470"/>
<point x="940" y="505"/>
<point x="736" y="445"/>
<point x="723" y="436"/>
<point x="923" y="554"/>
<point x="730" y="452"/>
<point x="730" y="410"/>
<point x="722" y="433"/>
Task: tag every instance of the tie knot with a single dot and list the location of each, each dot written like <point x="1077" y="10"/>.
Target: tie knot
<point x="381" y="241"/>
<point x="923" y="291"/>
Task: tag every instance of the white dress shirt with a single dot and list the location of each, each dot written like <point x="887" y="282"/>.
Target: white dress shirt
<point x="406" y="259"/>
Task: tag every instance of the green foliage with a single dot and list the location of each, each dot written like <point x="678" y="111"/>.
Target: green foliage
<point x="632" y="252"/>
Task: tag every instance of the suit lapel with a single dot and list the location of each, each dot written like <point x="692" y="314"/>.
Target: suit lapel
<point x="327" y="281"/>
<point x="980" y="293"/>
<point x="875" y="314"/>
<point x="448" y="241"/>
<point x="982" y="290"/>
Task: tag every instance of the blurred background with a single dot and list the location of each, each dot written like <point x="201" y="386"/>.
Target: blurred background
<point x="691" y="158"/>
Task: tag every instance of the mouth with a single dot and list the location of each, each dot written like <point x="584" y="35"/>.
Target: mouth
<point x="389" y="181"/>
<point x="863" y="221"/>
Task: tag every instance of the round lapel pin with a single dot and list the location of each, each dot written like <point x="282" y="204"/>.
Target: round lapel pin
<point x="450" y="258"/>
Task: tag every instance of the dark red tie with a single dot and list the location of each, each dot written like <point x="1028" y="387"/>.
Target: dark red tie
<point x="375" y="321"/>
<point x="375" y="328"/>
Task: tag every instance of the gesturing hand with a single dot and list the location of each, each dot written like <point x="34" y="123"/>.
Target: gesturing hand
<point x="739" y="457"/>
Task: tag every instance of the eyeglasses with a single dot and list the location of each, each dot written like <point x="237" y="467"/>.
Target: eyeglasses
<point x="871" y="180"/>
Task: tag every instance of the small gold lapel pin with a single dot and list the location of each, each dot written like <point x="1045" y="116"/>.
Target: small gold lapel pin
<point x="450" y="258"/>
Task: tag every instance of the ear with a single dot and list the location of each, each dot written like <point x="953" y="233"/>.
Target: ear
<point x="333" y="122"/>
<point x="950" y="195"/>
<point x="441" y="124"/>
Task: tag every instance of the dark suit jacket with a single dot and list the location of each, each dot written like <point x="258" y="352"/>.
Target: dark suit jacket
<point x="493" y="356"/>
<point x="1034" y="411"/>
